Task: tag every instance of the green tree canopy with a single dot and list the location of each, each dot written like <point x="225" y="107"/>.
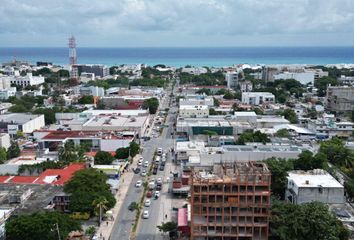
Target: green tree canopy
<point x="337" y="153"/>
<point x="152" y="104"/>
<point x="282" y="133"/>
<point x="3" y="155"/>
<point x="104" y="158"/>
<point x="305" y="221"/>
<point x="308" y="161"/>
<point x="85" y="187"/>
<point x="290" y="115"/>
<point x="252" y="137"/>
<point x="86" y="99"/>
<point x="168" y="227"/>
<point x="322" y="83"/>
<point x="14" y="150"/>
<point x="40" y="226"/>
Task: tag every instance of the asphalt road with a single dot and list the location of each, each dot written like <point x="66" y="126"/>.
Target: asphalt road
<point x="147" y="228"/>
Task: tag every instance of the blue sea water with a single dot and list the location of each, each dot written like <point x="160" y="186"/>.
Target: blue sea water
<point x="211" y="56"/>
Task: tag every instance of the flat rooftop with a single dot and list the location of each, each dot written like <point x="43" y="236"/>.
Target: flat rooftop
<point x="119" y="121"/>
<point x="18" y="118"/>
<point x="314" y="178"/>
<point x="62" y="135"/>
<point x="95" y="112"/>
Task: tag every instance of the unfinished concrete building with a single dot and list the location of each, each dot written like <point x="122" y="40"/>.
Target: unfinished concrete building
<point x="231" y="202"/>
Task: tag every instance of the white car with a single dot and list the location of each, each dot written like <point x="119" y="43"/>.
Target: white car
<point x="138" y="183"/>
<point x="159" y="151"/>
<point x="146" y="214"/>
<point x="159" y="180"/>
<point x="157" y="194"/>
<point x="147" y="203"/>
<point x="143" y="173"/>
<point x="146" y="163"/>
<point x="140" y="162"/>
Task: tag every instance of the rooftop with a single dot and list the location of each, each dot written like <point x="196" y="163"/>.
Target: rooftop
<point x="62" y="135"/>
<point x="314" y="178"/>
<point x="119" y="121"/>
<point x="18" y="118"/>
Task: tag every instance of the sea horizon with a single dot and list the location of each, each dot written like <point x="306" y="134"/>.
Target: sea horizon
<point x="182" y="56"/>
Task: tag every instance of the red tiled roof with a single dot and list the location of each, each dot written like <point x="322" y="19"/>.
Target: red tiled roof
<point x="23" y="179"/>
<point x="63" y="175"/>
<point x="4" y="178"/>
<point x="61" y="135"/>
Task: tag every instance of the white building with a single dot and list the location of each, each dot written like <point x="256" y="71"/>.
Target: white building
<point x="5" y="141"/>
<point x="232" y="79"/>
<point x="197" y="100"/>
<point x="27" y="123"/>
<point x="303" y="77"/>
<point x="194" y="70"/>
<point x="196" y="111"/>
<point x="86" y="77"/>
<point x="328" y="128"/>
<point x="315" y="185"/>
<point x="92" y="90"/>
<point x="4" y="82"/>
<point x="6" y="93"/>
<point x="257" y="98"/>
<point x="24" y="81"/>
<point x="250" y="117"/>
<point x="347" y="80"/>
<point x="246" y="86"/>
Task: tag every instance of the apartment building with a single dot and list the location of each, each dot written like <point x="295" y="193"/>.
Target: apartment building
<point x="197" y="111"/>
<point x="231" y="201"/>
<point x="233" y="78"/>
<point x="340" y="98"/>
<point x="23" y="81"/>
<point x="256" y="98"/>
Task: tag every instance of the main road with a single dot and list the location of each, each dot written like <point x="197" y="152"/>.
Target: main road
<point x="125" y="219"/>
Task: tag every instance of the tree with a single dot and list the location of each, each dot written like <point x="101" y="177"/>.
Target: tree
<point x="87" y="186"/>
<point x="86" y="99"/>
<point x="252" y="137"/>
<point x="104" y="158"/>
<point x="3" y="155"/>
<point x="152" y="104"/>
<point x="210" y="133"/>
<point x="205" y="91"/>
<point x="322" y="83"/>
<point x="13" y="151"/>
<point x="122" y="153"/>
<point x="40" y="226"/>
<point x="290" y="115"/>
<point x="168" y="227"/>
<point x="217" y="103"/>
<point x="305" y="221"/>
<point x="307" y="161"/>
<point x="133" y="206"/>
<point x="100" y="204"/>
<point x="228" y="95"/>
<point x="282" y="133"/>
<point x="134" y="149"/>
<point x="279" y="169"/>
<point x="212" y="111"/>
<point x="337" y="153"/>
<point x="349" y="189"/>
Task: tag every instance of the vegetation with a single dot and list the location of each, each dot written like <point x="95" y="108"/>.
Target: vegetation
<point x="119" y="82"/>
<point x="87" y="187"/>
<point x="151" y="82"/>
<point x="152" y="104"/>
<point x="86" y="100"/>
<point x="40" y="167"/>
<point x="282" y="133"/>
<point x="305" y="221"/>
<point x="205" y="79"/>
<point x="13" y="151"/>
<point x="205" y="91"/>
<point x="70" y="152"/>
<point x="100" y="204"/>
<point x="133" y="149"/>
<point x="41" y="226"/>
<point x="279" y="168"/>
<point x="168" y="227"/>
<point x="290" y="115"/>
<point x="252" y="137"/>
<point x="104" y="158"/>
<point x="25" y="103"/>
<point x="3" y="155"/>
<point x="337" y="153"/>
<point x="322" y="83"/>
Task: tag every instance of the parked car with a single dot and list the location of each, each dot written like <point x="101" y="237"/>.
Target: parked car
<point x="143" y="173"/>
<point x="137" y="170"/>
<point x="154" y="171"/>
<point x="149" y="194"/>
<point x="146" y="163"/>
<point x="140" y="162"/>
<point x="162" y="167"/>
<point x="159" y="151"/>
<point x="138" y="184"/>
<point x="146" y="214"/>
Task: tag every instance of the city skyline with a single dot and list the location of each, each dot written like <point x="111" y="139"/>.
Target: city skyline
<point x="157" y="23"/>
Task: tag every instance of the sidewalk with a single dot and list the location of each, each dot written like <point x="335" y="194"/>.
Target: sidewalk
<point x="105" y="230"/>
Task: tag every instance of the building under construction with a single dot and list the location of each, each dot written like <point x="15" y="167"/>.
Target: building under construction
<point x="231" y="202"/>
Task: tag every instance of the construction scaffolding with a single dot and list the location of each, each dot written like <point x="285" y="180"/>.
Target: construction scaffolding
<point x="231" y="202"/>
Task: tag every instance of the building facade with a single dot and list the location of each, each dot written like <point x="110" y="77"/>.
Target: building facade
<point x="256" y="98"/>
<point x="340" y="99"/>
<point x="231" y="202"/>
<point x="190" y="111"/>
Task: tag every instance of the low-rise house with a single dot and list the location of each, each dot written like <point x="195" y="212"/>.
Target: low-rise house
<point x="314" y="185"/>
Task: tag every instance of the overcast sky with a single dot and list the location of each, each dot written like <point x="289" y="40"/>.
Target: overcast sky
<point x="145" y="23"/>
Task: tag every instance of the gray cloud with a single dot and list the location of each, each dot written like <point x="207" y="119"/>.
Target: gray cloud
<point x="174" y="23"/>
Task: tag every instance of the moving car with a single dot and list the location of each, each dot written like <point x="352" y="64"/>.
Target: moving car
<point x="159" y="151"/>
<point x="146" y="214"/>
<point x="147" y="203"/>
<point x="138" y="183"/>
<point x="143" y="173"/>
<point x="157" y="194"/>
<point x="146" y="163"/>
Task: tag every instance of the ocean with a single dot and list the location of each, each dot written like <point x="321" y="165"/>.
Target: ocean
<point x="211" y="56"/>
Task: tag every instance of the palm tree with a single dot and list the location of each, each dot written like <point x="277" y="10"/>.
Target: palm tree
<point x="99" y="204"/>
